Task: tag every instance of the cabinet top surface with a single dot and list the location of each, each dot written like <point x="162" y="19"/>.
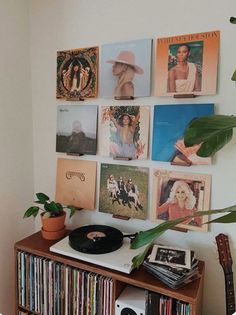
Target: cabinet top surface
<point x="36" y="245"/>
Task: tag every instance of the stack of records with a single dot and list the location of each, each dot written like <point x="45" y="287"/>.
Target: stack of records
<point x="175" y="267"/>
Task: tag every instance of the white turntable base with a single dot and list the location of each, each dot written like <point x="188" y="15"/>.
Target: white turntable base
<point x="120" y="260"/>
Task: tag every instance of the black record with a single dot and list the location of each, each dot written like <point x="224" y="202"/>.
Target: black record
<point x="96" y="239"/>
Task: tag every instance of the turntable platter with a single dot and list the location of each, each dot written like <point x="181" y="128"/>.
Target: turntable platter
<point x="96" y="239"/>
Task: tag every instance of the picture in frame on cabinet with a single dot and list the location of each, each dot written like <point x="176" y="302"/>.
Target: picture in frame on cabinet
<point x="126" y="69"/>
<point x="77" y="73"/>
<point x="187" y="64"/>
<point x="124" y="190"/>
<point x="179" y="194"/>
<point x="124" y="131"/>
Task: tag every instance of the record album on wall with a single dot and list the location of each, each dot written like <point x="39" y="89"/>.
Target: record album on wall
<point x="77" y="73"/>
<point x="76" y="129"/>
<point x="179" y="194"/>
<point x="124" y="190"/>
<point x="76" y="183"/>
<point x="124" y="131"/>
<point x="187" y="64"/>
<point x="126" y="69"/>
<point x="169" y="123"/>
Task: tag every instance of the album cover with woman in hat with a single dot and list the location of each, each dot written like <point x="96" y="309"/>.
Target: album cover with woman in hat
<point x="124" y="131"/>
<point x="124" y="190"/>
<point x="126" y="69"/>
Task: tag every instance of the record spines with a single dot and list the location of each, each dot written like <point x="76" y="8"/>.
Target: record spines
<point x="52" y="288"/>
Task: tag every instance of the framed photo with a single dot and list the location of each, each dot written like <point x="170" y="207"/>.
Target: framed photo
<point x="179" y="194"/>
<point x="76" y="183"/>
<point x="124" y="131"/>
<point x="169" y="123"/>
<point x="77" y="73"/>
<point x="171" y="256"/>
<point x="187" y="64"/>
<point x="76" y="129"/>
<point x="124" y="190"/>
<point x="126" y="69"/>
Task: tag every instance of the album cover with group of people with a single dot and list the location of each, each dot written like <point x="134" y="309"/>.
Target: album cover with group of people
<point x="124" y="191"/>
<point x="185" y="64"/>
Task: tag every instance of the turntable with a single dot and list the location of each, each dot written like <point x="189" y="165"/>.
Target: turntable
<point x="101" y="245"/>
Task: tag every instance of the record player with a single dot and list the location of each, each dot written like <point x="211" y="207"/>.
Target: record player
<point x="101" y="245"/>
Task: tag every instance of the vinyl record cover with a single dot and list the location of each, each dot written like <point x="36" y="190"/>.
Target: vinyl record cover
<point x="179" y="194"/>
<point x="187" y="64"/>
<point x="169" y="124"/>
<point x="77" y="73"/>
<point x="124" y="190"/>
<point x="76" y="129"/>
<point x="76" y="183"/>
<point x="126" y="69"/>
<point x="124" y="131"/>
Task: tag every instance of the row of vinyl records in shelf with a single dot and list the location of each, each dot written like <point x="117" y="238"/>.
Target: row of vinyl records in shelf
<point x="51" y="288"/>
<point x="47" y="287"/>
<point x="163" y="305"/>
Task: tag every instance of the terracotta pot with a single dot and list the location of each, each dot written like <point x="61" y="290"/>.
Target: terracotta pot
<point x="53" y="228"/>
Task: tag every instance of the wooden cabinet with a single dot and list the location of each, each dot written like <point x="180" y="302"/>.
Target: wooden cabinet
<point x="36" y="245"/>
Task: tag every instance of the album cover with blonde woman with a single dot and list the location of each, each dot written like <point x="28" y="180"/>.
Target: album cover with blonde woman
<point x="76" y="183"/>
<point x="77" y="73"/>
<point x="187" y="64"/>
<point x="126" y="69"/>
<point x="124" y="131"/>
<point x="181" y="194"/>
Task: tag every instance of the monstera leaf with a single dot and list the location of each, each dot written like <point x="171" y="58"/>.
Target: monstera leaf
<point x="213" y="132"/>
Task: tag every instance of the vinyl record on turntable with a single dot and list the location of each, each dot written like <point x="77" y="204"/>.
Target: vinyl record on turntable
<point x="96" y="239"/>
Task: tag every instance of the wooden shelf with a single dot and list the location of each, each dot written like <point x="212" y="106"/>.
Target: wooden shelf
<point x="191" y="293"/>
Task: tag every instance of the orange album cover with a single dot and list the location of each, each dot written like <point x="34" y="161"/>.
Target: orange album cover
<point x="187" y="64"/>
<point x="76" y="183"/>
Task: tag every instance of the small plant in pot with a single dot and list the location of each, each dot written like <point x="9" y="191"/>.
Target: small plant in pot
<point x="53" y="216"/>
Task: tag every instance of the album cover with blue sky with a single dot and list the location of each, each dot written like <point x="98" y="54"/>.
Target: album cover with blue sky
<point x="169" y="123"/>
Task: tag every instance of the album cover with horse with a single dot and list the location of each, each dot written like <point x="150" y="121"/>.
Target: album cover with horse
<point x="124" y="190"/>
<point x="76" y="183"/>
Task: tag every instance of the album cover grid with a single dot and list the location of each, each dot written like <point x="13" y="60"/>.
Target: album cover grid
<point x="124" y="130"/>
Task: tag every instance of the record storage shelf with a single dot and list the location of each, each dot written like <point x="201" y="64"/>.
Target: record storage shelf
<point x="38" y="246"/>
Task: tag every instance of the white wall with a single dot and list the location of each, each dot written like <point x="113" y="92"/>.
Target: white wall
<point x="16" y="159"/>
<point x="60" y="25"/>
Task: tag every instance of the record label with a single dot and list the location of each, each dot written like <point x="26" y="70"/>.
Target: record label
<point x="94" y="235"/>
<point x="96" y="239"/>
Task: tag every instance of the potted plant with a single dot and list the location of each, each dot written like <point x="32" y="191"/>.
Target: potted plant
<point x="52" y="216"/>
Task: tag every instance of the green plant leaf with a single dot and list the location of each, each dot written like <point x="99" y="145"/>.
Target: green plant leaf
<point x="228" y="218"/>
<point x="148" y="236"/>
<point x="138" y="259"/>
<point x="72" y="210"/>
<point x="32" y="211"/>
<point x="233" y="78"/>
<point x="212" y="131"/>
<point x="232" y="20"/>
<point x="42" y="198"/>
<point x="52" y="207"/>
